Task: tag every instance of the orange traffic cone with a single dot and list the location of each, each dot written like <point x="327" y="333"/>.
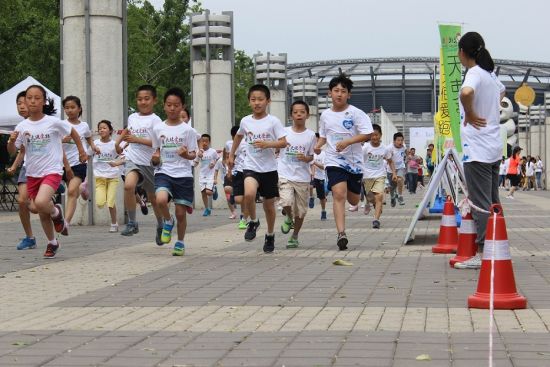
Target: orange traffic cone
<point x="467" y="246"/>
<point x="506" y="296"/>
<point x="447" y="242"/>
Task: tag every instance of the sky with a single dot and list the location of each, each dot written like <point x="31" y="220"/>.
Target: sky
<point x="315" y="30"/>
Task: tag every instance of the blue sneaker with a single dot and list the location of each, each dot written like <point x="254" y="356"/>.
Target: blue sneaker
<point x="311" y="202"/>
<point x="179" y="249"/>
<point x="215" y="192"/>
<point x="206" y="212"/>
<point x="27" y="243"/>
<point x="323" y="215"/>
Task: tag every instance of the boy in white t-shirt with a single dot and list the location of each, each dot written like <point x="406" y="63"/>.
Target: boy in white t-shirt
<point x="343" y="127"/>
<point x="374" y="173"/>
<point x="40" y="136"/>
<point x="263" y="134"/>
<point x="138" y="170"/>
<point x="399" y="152"/>
<point x="207" y="158"/>
<point x="175" y="145"/>
<point x="294" y="171"/>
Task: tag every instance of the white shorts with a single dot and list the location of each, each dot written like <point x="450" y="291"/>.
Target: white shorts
<point x="207" y="185"/>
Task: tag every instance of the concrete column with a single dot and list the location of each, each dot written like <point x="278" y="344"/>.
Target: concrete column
<point x="324" y="103"/>
<point x="92" y="69"/>
<point x="271" y="71"/>
<point x="212" y="64"/>
<point x="545" y="150"/>
<point x="305" y="89"/>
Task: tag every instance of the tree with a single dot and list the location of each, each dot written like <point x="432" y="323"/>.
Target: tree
<point x="244" y="78"/>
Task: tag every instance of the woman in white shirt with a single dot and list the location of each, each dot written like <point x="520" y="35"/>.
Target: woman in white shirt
<point x="480" y="97"/>
<point x="538" y="172"/>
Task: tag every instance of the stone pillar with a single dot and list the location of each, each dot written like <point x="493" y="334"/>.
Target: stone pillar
<point x="212" y="63"/>
<point x="93" y="69"/>
<point x="323" y="103"/>
<point x="271" y="71"/>
<point x="305" y="89"/>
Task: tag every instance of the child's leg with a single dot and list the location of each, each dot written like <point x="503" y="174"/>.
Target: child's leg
<point x="339" y="194"/>
<point x="45" y="207"/>
<point x="181" y="217"/>
<point x="378" y="200"/>
<point x="228" y="192"/>
<point x="24" y="213"/>
<point x="400" y="183"/>
<point x="162" y="199"/>
<point x="300" y="208"/>
<point x="270" y="214"/>
<point x="130" y="183"/>
<point x="323" y="204"/>
<point x="110" y="197"/>
<point x="153" y="200"/>
<point x="249" y="201"/>
<point x="72" y="195"/>
<point x="100" y="192"/>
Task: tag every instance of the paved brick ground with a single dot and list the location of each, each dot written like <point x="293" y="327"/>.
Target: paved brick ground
<point x="109" y="300"/>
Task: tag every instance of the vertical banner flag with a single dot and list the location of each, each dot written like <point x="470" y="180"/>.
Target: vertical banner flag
<point x="443" y="138"/>
<point x="452" y="70"/>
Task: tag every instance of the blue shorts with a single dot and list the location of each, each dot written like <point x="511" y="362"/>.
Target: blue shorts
<point x="180" y="189"/>
<point x="336" y="175"/>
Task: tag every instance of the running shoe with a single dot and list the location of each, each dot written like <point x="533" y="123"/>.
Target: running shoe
<point x="143" y="206"/>
<point x="376" y="224"/>
<point x="342" y="241"/>
<point x="233" y="215"/>
<point x="179" y="249"/>
<point x="251" y="229"/>
<point x="242" y="224"/>
<point x="130" y="229"/>
<point x="311" y="202"/>
<point x="401" y="200"/>
<point x="59" y="220"/>
<point x="353" y="208"/>
<point x="51" y="251"/>
<point x="206" y="212"/>
<point x="471" y="263"/>
<point x="166" y="232"/>
<point x="323" y="215"/>
<point x="367" y="208"/>
<point x="114" y="228"/>
<point x="27" y="243"/>
<point x="287" y="225"/>
<point x="292" y="243"/>
<point x="269" y="244"/>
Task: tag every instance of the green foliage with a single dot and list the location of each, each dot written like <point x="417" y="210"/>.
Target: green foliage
<point x="158" y="48"/>
<point x="29" y="42"/>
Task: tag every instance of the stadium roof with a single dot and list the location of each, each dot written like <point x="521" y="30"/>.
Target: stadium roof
<point x="421" y="67"/>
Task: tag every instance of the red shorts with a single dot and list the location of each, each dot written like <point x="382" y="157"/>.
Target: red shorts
<point x="33" y="183"/>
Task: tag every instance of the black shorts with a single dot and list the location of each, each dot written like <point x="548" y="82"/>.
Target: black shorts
<point x="336" y="175"/>
<point x="227" y="181"/>
<point x="319" y="188"/>
<point x="237" y="182"/>
<point x="268" y="183"/>
<point x="79" y="170"/>
<point x="514" y="179"/>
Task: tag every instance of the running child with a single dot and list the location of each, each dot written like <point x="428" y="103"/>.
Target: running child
<point x="399" y="152"/>
<point x="237" y="177"/>
<point x="138" y="171"/>
<point x="374" y="173"/>
<point x="207" y="158"/>
<point x="77" y="171"/>
<point x="319" y="177"/>
<point x="294" y="171"/>
<point x="343" y="127"/>
<point x="264" y="133"/>
<point x="175" y="147"/>
<point x="106" y="171"/>
<point x="41" y="136"/>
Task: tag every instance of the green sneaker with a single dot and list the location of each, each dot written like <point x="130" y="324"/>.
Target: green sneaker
<point x="292" y="243"/>
<point x="166" y="235"/>
<point x="287" y="226"/>
<point x="179" y="249"/>
<point x="242" y="224"/>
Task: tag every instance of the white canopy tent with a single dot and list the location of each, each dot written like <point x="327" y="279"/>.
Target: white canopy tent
<point x="8" y="107"/>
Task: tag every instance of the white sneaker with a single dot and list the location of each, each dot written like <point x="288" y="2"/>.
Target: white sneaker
<point x="472" y="263"/>
<point x="510" y="197"/>
<point x="367" y="209"/>
<point x="114" y="228"/>
<point x="353" y="208"/>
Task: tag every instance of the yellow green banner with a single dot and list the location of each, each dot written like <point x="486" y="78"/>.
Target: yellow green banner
<point x="443" y="134"/>
<point x="450" y="81"/>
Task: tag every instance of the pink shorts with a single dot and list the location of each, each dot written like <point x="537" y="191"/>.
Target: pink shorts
<point x="33" y="183"/>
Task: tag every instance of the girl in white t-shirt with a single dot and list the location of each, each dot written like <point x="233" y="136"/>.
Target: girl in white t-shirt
<point x="77" y="173"/>
<point x="480" y="97"/>
<point x="106" y="171"/>
<point x="40" y="136"/>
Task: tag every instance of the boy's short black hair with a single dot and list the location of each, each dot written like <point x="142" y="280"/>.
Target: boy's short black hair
<point x="377" y="127"/>
<point x="147" y="87"/>
<point x="178" y="92"/>
<point x="341" y="79"/>
<point x="20" y="94"/>
<point x="299" y="102"/>
<point x="259" y="88"/>
<point x="206" y="136"/>
<point x="398" y="135"/>
<point x="234" y="130"/>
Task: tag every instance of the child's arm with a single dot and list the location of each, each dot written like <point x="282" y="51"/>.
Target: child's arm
<point x="231" y="159"/>
<point x="319" y="145"/>
<point x="12" y="149"/>
<point x="305" y="158"/>
<point x="216" y="176"/>
<point x="117" y="162"/>
<point x="393" y="171"/>
<point x="263" y="144"/>
<point x="17" y="162"/>
<point x="343" y="144"/>
<point x="155" y="158"/>
<point x="184" y="153"/>
<point x="91" y="143"/>
<point x="118" y="140"/>
<point x="68" y="170"/>
<point x="129" y="138"/>
<point x="82" y="156"/>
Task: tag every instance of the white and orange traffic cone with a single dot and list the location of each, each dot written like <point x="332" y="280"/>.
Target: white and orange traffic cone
<point x="467" y="247"/>
<point x="506" y="296"/>
<point x="447" y="243"/>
